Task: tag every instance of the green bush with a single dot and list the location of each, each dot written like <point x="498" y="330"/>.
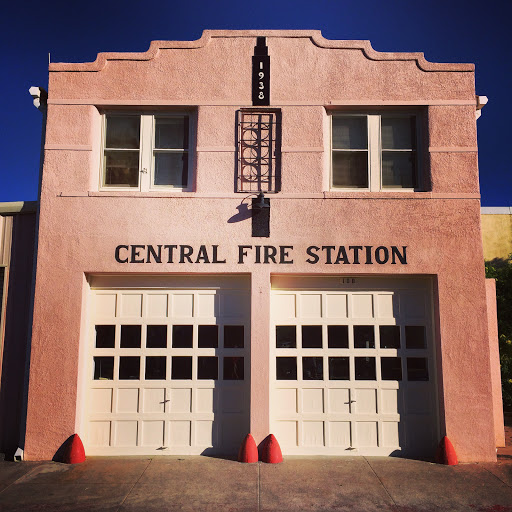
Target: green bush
<point x="501" y="270"/>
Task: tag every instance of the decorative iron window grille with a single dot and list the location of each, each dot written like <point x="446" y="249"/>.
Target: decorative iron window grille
<point x="259" y="151"/>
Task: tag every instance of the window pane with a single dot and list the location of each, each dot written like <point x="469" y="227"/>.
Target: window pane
<point x="349" y="133"/>
<point x="286" y="368"/>
<point x="415" y="336"/>
<point x="349" y="169"/>
<point x="339" y="368"/>
<point x="365" y="368"/>
<point x="337" y="336"/>
<point x="208" y="336"/>
<point x="121" y="168"/>
<point x="123" y="132"/>
<point x="171" y="132"/>
<point x="103" y="368"/>
<point x="389" y="336"/>
<point x="156" y="336"/>
<point x="130" y="336"/>
<point x="312" y="368"/>
<point x="181" y="368"/>
<point x="155" y="368"/>
<point x="207" y="367"/>
<point x="286" y="336"/>
<point x="129" y="368"/>
<point x="233" y="336"/>
<point x="391" y="368"/>
<point x="171" y="169"/>
<point x="398" y="132"/>
<point x="105" y="336"/>
<point x="364" y="336"/>
<point x="417" y="368"/>
<point x="399" y="169"/>
<point x="233" y="368"/>
<point x="311" y="336"/>
<point x="181" y="336"/>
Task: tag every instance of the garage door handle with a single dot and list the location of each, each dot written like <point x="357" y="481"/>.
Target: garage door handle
<point x="165" y="401"/>
<point x="351" y="402"/>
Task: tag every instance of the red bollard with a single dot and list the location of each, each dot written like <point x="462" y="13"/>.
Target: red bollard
<point x="271" y="451"/>
<point x="248" y="450"/>
<point x="446" y="453"/>
<point x="74" y="452"/>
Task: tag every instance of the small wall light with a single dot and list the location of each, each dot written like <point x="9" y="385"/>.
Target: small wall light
<point x="259" y="203"/>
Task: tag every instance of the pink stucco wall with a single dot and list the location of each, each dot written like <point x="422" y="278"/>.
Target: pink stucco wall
<point x="81" y="226"/>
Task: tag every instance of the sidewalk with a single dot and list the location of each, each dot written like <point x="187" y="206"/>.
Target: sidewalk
<point x="203" y="484"/>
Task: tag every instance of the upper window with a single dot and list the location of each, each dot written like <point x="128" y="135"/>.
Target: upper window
<point x="374" y="151"/>
<point x="146" y="152"/>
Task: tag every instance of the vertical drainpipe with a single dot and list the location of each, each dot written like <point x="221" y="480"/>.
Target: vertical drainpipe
<point x="40" y="99"/>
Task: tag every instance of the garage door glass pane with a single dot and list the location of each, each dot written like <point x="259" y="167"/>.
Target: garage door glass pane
<point x="233" y="336"/>
<point x="208" y="336"/>
<point x="339" y="368"/>
<point x="415" y="336"/>
<point x="103" y="368"/>
<point x="207" y="368"/>
<point x="389" y="336"/>
<point x="417" y="368"/>
<point x="286" y="368"/>
<point x="286" y="336"/>
<point x="391" y="368"/>
<point x="105" y="336"/>
<point x="311" y="336"/>
<point x="337" y="336"/>
<point x="130" y="336"/>
<point x="233" y="368"/>
<point x="365" y="368"/>
<point x="182" y="337"/>
<point x="181" y="368"/>
<point x="364" y="336"/>
<point x="312" y="368"/>
<point x="156" y="336"/>
<point x="155" y="368"/>
<point x="129" y="368"/>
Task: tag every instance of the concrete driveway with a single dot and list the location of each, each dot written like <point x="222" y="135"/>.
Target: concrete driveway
<point x="203" y="484"/>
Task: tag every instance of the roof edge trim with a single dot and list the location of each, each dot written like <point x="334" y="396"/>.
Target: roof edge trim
<point x="315" y="36"/>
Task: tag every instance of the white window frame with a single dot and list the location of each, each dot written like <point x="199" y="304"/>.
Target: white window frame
<point x="146" y="152"/>
<point x="375" y="151"/>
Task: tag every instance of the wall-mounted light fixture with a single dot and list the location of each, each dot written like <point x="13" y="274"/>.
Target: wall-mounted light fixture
<point x="260" y="217"/>
<point x="260" y="202"/>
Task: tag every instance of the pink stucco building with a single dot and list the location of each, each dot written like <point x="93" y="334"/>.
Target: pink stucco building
<point x="345" y="310"/>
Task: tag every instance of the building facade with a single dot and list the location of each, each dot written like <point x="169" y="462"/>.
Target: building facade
<point x="265" y="232"/>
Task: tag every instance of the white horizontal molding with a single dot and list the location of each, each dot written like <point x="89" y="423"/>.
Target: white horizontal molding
<point x="156" y="102"/>
<point x="68" y="147"/>
<point x="373" y="102"/>
<point x="275" y="197"/>
<point x="216" y="149"/>
<point x="496" y="210"/>
<point x="302" y="149"/>
<point x="453" y="149"/>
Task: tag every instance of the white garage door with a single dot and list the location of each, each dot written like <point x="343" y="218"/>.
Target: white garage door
<point x="353" y="366"/>
<point x="168" y="370"/>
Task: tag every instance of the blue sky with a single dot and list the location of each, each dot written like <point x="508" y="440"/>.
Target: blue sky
<point x="446" y="31"/>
